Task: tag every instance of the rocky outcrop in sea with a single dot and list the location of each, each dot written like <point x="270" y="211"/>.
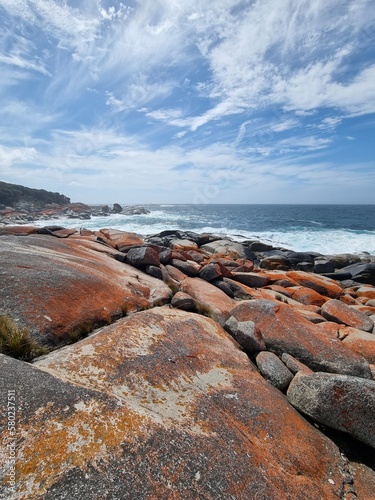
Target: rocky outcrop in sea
<point x="185" y="365"/>
<point x="24" y="212"/>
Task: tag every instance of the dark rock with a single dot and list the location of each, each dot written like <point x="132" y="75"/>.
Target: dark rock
<point x="305" y="266"/>
<point x="246" y="334"/>
<point x="105" y="209"/>
<point x="323" y="266"/>
<point x="339" y="401"/>
<point x="258" y="246"/>
<point x="183" y="301"/>
<point x="190" y="268"/>
<point x="253" y="280"/>
<point x="117" y="208"/>
<point x="142" y="256"/>
<point x="154" y="271"/>
<point x="273" y="370"/>
<point x="224" y="287"/>
<point x="362" y="273"/>
<point x="210" y="272"/>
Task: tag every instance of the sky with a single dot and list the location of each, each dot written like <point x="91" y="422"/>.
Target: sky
<point x="171" y="101"/>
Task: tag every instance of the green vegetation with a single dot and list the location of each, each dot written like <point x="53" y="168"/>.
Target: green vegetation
<point x="17" y="342"/>
<point x="11" y="194"/>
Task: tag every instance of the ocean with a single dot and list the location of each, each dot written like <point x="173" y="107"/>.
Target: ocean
<point x="328" y="229"/>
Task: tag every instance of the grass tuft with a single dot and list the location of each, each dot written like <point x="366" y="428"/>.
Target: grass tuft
<point x="17" y="342"/>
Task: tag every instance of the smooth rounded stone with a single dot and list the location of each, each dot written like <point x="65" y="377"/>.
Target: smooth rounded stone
<point x="142" y="256"/>
<point x="237" y="289"/>
<point x="154" y="271"/>
<point x="305" y="266"/>
<point x="209" y="299"/>
<point x="253" y="280"/>
<point x="342" y="402"/>
<point x="117" y="208"/>
<point x="323" y="266"/>
<point x="225" y="247"/>
<point x="362" y="343"/>
<point x="335" y="310"/>
<point x="183" y="244"/>
<point x="245" y="333"/>
<point x="189" y="267"/>
<point x="366" y="291"/>
<point x="196" y="256"/>
<point x="285" y="330"/>
<point x="321" y="284"/>
<point x="224" y="287"/>
<point x="297" y="257"/>
<point x="370" y="303"/>
<point x="210" y="272"/>
<point x="258" y="246"/>
<point x="273" y="370"/>
<point x="276" y="262"/>
<point x="183" y="301"/>
<point x="294" y="365"/>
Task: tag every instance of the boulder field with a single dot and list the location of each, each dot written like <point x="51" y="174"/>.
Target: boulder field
<point x="182" y="365"/>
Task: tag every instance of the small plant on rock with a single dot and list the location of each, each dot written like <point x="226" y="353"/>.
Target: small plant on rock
<point x="17" y="342"/>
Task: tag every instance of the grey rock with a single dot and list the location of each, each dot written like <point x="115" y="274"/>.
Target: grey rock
<point x="224" y="286"/>
<point x="225" y="247"/>
<point x="183" y="301"/>
<point x="142" y="256"/>
<point x="246" y="334"/>
<point x="342" y="402"/>
<point x="294" y="365"/>
<point x="117" y="208"/>
<point x="305" y="266"/>
<point x="154" y="271"/>
<point x="323" y="266"/>
<point x="210" y="272"/>
<point x="190" y="268"/>
<point x="273" y="370"/>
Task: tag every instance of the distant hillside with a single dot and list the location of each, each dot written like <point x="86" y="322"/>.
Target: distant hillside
<point x="11" y="194"/>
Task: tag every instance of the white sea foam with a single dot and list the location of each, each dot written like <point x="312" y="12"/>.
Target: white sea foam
<point x="316" y="239"/>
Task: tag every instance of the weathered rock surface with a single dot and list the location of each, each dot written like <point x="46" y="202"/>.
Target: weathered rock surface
<point x="61" y="288"/>
<point x="339" y="401"/>
<point x="335" y="310"/>
<point x="284" y="330"/>
<point x="162" y="405"/>
<point x="273" y="370"/>
<point x="126" y="406"/>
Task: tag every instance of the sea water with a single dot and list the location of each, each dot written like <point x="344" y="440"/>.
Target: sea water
<point x="328" y="229"/>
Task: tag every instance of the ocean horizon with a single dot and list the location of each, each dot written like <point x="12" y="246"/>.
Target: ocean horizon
<point x="327" y="229"/>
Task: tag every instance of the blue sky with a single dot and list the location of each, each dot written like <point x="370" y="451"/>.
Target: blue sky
<point x="167" y="101"/>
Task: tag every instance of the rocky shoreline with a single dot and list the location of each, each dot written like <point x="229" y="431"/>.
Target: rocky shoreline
<point x="186" y="365"/>
<point x="25" y="212"/>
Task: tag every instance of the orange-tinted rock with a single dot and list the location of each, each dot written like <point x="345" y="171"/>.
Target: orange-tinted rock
<point x="162" y="405"/>
<point x="285" y="330"/>
<point x="122" y="239"/>
<point x="321" y="284"/>
<point x="366" y="291"/>
<point x="183" y="245"/>
<point x="308" y="296"/>
<point x="175" y="273"/>
<point x="18" y="230"/>
<point x="209" y="299"/>
<point x="348" y="299"/>
<point x="62" y="288"/>
<point x="312" y="316"/>
<point x="334" y="310"/>
<point x="362" y="343"/>
<point x="364" y="481"/>
<point x="279" y="289"/>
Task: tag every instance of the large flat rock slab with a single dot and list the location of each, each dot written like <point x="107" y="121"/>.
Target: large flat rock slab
<point x="161" y="404"/>
<point x="59" y="288"/>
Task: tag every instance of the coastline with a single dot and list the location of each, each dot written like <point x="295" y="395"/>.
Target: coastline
<point x="191" y="336"/>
